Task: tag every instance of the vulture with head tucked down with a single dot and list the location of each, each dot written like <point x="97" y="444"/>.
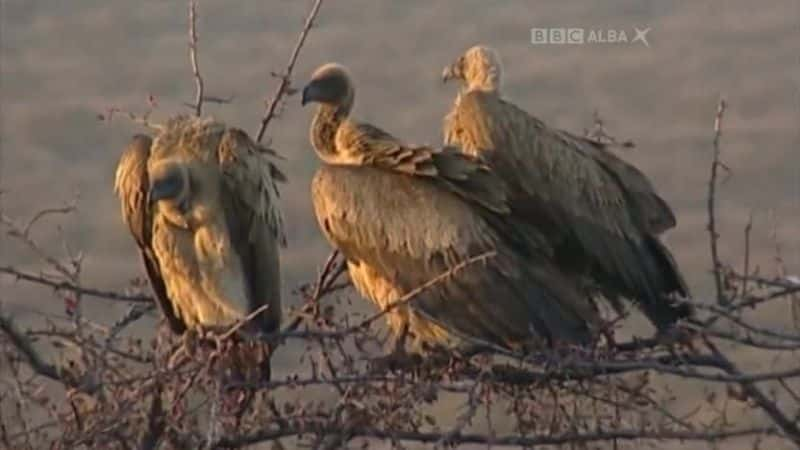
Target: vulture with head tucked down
<point x="403" y="215"/>
<point x="201" y="202"/>
<point x="600" y="214"/>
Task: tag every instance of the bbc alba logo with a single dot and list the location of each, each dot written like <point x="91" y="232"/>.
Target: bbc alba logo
<point x="557" y="35"/>
<point x="589" y="36"/>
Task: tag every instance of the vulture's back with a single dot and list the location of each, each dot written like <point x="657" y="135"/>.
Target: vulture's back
<point x="555" y="166"/>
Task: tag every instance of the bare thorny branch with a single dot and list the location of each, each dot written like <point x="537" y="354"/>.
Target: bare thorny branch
<point x="62" y="285"/>
<point x="575" y="369"/>
<point x="577" y="376"/>
<point x="513" y="440"/>
<point x="198" y="79"/>
<point x="284" y="87"/>
<point x="711" y="199"/>
<point x="324" y="285"/>
<point x="24" y="346"/>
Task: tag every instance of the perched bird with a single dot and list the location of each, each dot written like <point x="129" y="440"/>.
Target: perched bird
<point x="403" y="215"/>
<point x="201" y="203"/>
<point x="599" y="213"/>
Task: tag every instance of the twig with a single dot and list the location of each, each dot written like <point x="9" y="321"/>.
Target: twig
<point x="788" y="426"/>
<point x="134" y="313"/>
<point x="284" y="86"/>
<point x="198" y="80"/>
<point x="712" y="192"/>
<point x="782" y="283"/>
<point x="24" y="346"/>
<point x="329" y="273"/>
<point x="69" y="286"/>
<point x="465" y="419"/>
<point x="723" y="314"/>
<point x="667" y="364"/>
<point x="512" y="440"/>
<point x="68" y="209"/>
<point x="212" y="99"/>
<point x="213" y="420"/>
<point x="295" y="383"/>
<point x="240" y="323"/>
<point x="750" y="341"/>
<point x="33" y="429"/>
<point x="88" y="344"/>
<point x="746" y="269"/>
<point x="599" y="135"/>
<point x="155" y="422"/>
<point x="412" y="294"/>
<point x="143" y="119"/>
<point x="23" y="235"/>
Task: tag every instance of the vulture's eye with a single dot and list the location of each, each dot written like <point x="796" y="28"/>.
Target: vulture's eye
<point x="167" y="186"/>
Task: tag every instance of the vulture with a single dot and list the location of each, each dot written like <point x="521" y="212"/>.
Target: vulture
<point x="600" y="214"/>
<point x="403" y="215"/>
<point x="200" y="201"/>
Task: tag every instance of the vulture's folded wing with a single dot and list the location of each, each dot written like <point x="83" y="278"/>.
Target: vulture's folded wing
<point x="466" y="176"/>
<point x="563" y="188"/>
<point x="254" y="220"/>
<point x="542" y="163"/>
<point x="413" y="213"/>
<point x="655" y="210"/>
<point x="131" y="185"/>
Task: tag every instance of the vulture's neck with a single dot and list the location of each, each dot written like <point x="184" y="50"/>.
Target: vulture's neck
<point x="486" y="88"/>
<point x="323" y="130"/>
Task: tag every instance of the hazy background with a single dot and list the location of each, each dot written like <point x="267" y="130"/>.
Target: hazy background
<point x="63" y="62"/>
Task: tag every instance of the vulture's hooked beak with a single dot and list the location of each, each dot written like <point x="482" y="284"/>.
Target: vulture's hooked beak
<point x="309" y="93"/>
<point x="451" y="72"/>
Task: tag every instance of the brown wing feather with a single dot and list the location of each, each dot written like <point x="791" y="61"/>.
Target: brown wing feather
<point x="466" y="176"/>
<point x="254" y="221"/>
<point x="658" y="216"/>
<point x="131" y="186"/>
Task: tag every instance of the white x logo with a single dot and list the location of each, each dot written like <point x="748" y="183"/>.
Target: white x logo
<point x="641" y="36"/>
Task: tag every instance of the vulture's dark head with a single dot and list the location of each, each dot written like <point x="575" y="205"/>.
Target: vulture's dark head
<point x="330" y="85"/>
